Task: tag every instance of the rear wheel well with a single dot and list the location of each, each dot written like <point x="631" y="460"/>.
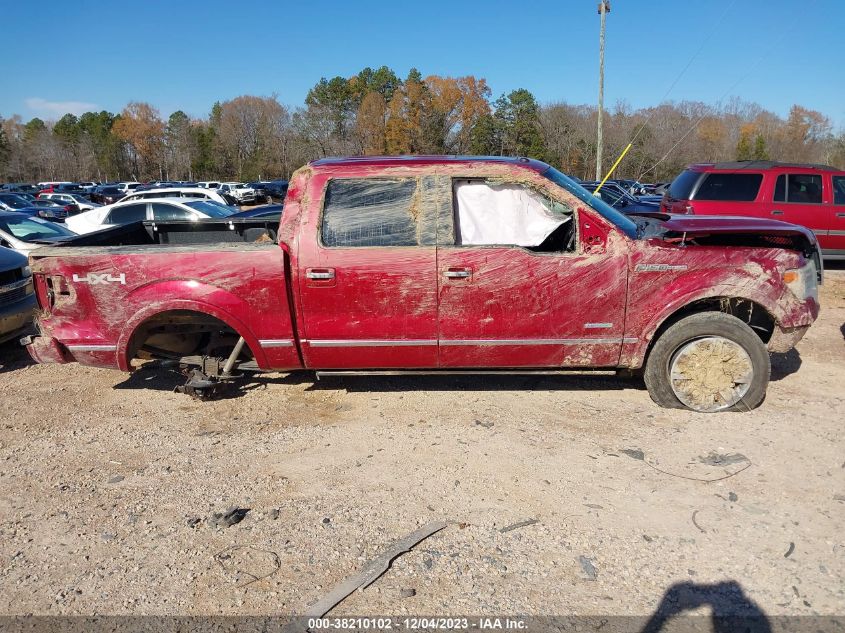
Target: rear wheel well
<point x="176" y="334"/>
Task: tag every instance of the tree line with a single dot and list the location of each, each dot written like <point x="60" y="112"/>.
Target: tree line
<point x="377" y="112"/>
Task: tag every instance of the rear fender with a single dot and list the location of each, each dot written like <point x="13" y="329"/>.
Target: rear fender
<point x="215" y="302"/>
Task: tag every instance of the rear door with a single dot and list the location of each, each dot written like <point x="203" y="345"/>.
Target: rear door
<point x="366" y="274"/>
<point x="836" y="234"/>
<point x="525" y="280"/>
<point x="799" y="199"/>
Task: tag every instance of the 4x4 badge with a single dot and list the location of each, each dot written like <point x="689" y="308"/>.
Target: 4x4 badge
<point x="104" y="278"/>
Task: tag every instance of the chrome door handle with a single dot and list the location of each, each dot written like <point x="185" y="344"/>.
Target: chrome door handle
<point x="840" y="215"/>
<point x="457" y="274"/>
<point x="320" y="273"/>
<point x="777" y="212"/>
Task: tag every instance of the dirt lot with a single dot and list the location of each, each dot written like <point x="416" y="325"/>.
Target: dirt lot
<point x="107" y="483"/>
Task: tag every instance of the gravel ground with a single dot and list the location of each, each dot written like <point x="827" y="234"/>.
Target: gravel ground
<point x="109" y="484"/>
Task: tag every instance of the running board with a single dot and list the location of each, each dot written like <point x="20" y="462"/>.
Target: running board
<point x="468" y="372"/>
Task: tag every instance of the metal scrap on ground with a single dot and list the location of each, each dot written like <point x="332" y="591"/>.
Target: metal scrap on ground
<point x="372" y="570"/>
<point x="515" y="526"/>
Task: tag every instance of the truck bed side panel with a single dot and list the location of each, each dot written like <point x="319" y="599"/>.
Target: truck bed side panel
<point x="101" y="298"/>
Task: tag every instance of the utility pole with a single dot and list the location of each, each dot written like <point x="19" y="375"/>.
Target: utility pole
<point x="604" y="9"/>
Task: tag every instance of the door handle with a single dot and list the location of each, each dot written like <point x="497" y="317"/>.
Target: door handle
<point x="840" y="215"/>
<point x="320" y="273"/>
<point x="457" y="273"/>
<point x="777" y="212"/>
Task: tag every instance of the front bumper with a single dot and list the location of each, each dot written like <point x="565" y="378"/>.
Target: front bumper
<point x="785" y="338"/>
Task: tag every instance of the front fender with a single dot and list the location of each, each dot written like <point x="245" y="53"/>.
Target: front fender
<point x="650" y="308"/>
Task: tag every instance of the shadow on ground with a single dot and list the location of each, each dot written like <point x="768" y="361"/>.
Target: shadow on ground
<point x="785" y="364"/>
<point x="731" y="609"/>
<point x="13" y="356"/>
<point x="167" y="379"/>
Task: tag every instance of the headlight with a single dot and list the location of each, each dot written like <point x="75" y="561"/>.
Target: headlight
<point x="803" y="282"/>
<point x="27" y="271"/>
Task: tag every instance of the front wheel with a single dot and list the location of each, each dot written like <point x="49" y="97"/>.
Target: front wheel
<point x="708" y="362"/>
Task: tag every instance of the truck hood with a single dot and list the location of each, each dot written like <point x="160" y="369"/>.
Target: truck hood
<point x="710" y="224"/>
<point x="728" y="231"/>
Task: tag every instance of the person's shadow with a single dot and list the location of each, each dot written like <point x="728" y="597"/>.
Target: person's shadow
<point x="731" y="609"/>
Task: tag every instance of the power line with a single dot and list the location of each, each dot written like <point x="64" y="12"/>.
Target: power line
<point x="751" y="69"/>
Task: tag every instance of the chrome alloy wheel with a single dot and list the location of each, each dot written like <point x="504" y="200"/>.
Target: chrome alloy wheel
<point x="710" y="374"/>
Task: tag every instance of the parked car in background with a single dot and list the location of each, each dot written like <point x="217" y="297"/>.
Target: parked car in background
<point x="49" y="185"/>
<point x="46" y="209"/>
<point x="163" y="209"/>
<point x="177" y="192"/>
<point x="106" y="194"/>
<point x="239" y="191"/>
<point x="273" y="211"/>
<point x="271" y="190"/>
<point x="87" y="186"/>
<point x="808" y="195"/>
<point x="209" y="184"/>
<point x="633" y="187"/>
<point x="50" y="210"/>
<point x="17" y="295"/>
<point x="22" y="232"/>
<point x="81" y="202"/>
<point x="621" y="200"/>
<point x="19" y="187"/>
<point x="128" y="186"/>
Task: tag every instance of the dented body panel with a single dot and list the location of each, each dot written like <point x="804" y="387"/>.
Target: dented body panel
<point x="299" y="303"/>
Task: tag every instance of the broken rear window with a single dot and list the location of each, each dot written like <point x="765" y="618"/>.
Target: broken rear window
<point x="370" y="212"/>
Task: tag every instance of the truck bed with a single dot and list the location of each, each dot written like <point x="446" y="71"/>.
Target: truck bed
<point x="181" y="236"/>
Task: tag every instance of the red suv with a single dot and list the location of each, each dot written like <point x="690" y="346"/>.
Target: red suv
<point x="809" y="195"/>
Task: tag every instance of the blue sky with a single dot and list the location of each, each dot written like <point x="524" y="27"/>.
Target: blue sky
<point x="185" y="55"/>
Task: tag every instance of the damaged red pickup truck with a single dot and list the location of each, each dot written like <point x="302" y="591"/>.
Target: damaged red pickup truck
<point x="438" y="264"/>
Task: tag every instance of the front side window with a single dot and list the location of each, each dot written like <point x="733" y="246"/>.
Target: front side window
<point x="729" y="187"/>
<point x="370" y="212"/>
<point x="506" y="214"/>
<point x="128" y="213"/>
<point x="839" y="190"/>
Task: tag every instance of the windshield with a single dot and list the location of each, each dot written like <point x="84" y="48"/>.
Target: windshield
<point x="210" y="208"/>
<point x="620" y="220"/>
<point x="34" y="229"/>
<point x="16" y="202"/>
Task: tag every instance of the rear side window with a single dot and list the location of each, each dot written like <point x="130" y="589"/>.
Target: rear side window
<point x="681" y="187"/>
<point x="839" y="190"/>
<point x="370" y="212"/>
<point x="129" y="213"/>
<point x="165" y="212"/>
<point x="804" y="188"/>
<point x="733" y="187"/>
<point x="799" y="188"/>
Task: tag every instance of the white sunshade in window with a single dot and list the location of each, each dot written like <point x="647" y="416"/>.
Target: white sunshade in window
<point x="503" y="214"/>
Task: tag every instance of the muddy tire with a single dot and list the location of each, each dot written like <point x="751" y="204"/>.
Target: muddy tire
<point x="708" y="362"/>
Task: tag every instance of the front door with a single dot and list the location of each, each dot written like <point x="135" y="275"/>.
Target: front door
<point x="525" y="280"/>
<point x="367" y="279"/>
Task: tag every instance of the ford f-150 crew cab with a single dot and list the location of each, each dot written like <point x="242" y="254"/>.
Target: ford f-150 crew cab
<point x="438" y="264"/>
